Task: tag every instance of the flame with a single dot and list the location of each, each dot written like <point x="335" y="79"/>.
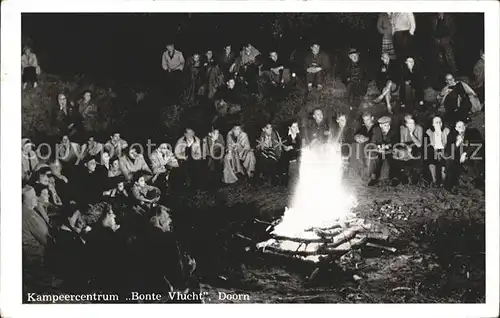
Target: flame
<point x="320" y="198"/>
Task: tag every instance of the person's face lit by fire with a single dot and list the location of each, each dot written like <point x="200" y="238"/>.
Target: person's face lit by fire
<point x="196" y="58"/>
<point x="231" y="83"/>
<point x="315" y="49"/>
<point x="209" y="55"/>
<point x="120" y="186"/>
<point x="450" y="80"/>
<point x="410" y="123"/>
<point x="410" y="63"/>
<point x="460" y="127"/>
<point x="273" y="56"/>
<point x="318" y="115"/>
<point x="65" y="140"/>
<point x="44" y="179"/>
<point x="268" y="130"/>
<point x="75" y="221"/>
<point x="189" y="134"/>
<point x="86" y="97"/>
<point x="62" y="100"/>
<point x="385" y="127"/>
<point x="215" y="134"/>
<point x="385" y="58"/>
<point x="141" y="182"/>
<point x="294" y="128"/>
<point x="170" y="48"/>
<point x="115" y="164"/>
<point x="354" y="57"/>
<point x="30" y="199"/>
<point x="236" y="131"/>
<point x="437" y="123"/>
<point x="132" y="153"/>
<point x="368" y="120"/>
<point x="227" y="49"/>
<point x="105" y="158"/>
<point x="44" y="197"/>
<point x="163" y="148"/>
<point x="482" y="56"/>
<point x="91" y="165"/>
<point x="342" y="121"/>
<point x="56" y="168"/>
<point x="109" y="221"/>
<point x="116" y="137"/>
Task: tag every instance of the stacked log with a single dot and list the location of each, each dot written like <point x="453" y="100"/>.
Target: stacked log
<point x="331" y="242"/>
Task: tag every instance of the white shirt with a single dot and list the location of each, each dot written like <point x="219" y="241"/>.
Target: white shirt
<point x="438" y="142"/>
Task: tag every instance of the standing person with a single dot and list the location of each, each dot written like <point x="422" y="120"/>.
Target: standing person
<point x="316" y="65"/>
<point x="458" y="99"/>
<point x="173" y="63"/>
<point x="247" y="67"/>
<point x="387" y="80"/>
<point x="411" y="90"/>
<point x="227" y="59"/>
<point x="443" y="30"/>
<point x="188" y="152"/>
<point x="478" y="83"/>
<point x="89" y="112"/>
<point x="212" y="76"/>
<point x="384" y="27"/>
<point x="29" y="68"/>
<point x="194" y="78"/>
<point x="240" y="158"/>
<point x="435" y="152"/>
<point x="213" y="151"/>
<point x="403" y="29"/>
<point x="355" y="77"/>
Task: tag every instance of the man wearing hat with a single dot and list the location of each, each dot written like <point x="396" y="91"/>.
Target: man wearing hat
<point x="354" y="77"/>
<point x="316" y="64"/>
<point x="384" y="139"/>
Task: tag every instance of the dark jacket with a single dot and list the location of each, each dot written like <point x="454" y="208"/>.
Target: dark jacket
<point x="389" y="72"/>
<point x="443" y="28"/>
<point x="296" y="144"/>
<point x="320" y="132"/>
<point x="354" y="72"/>
<point x="63" y="119"/>
<point x="471" y="140"/>
<point x="321" y="59"/>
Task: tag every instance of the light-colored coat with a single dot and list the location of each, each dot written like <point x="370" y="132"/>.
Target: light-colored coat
<point x="240" y="158"/>
<point x="159" y="163"/>
<point x="176" y="63"/>
<point x="181" y="145"/>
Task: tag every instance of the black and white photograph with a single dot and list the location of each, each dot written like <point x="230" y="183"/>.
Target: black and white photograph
<point x="249" y="152"/>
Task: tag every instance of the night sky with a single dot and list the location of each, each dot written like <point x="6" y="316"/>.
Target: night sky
<point x="128" y="47"/>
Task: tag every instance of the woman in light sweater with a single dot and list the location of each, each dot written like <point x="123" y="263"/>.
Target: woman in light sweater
<point x="29" y="68"/>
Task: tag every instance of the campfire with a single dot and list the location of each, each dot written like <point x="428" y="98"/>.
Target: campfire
<point x="319" y="224"/>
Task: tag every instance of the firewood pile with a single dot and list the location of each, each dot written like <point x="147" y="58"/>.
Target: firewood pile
<point x="317" y="244"/>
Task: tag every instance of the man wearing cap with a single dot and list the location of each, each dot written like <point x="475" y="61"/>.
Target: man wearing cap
<point x="317" y="65"/>
<point x="173" y="63"/>
<point x="355" y="76"/>
<point x="385" y="138"/>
